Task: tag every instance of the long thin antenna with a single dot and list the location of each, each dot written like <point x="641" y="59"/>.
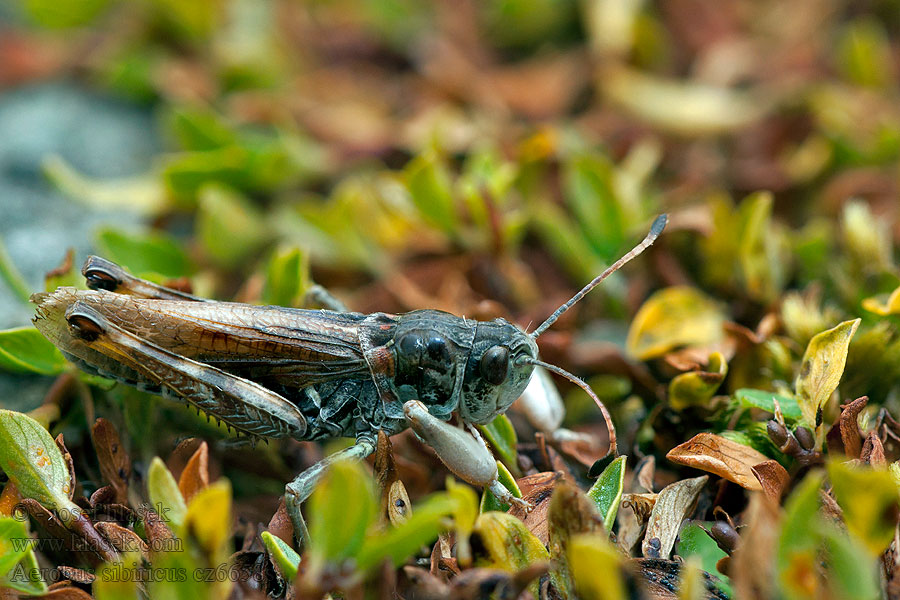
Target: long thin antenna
<point x="613" y="446"/>
<point x="658" y="225"/>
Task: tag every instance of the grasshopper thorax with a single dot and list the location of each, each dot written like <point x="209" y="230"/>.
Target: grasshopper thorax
<point x="451" y="363"/>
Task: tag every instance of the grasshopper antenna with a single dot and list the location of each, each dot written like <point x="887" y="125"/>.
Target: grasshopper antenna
<point x="613" y="447"/>
<point x="658" y="225"/>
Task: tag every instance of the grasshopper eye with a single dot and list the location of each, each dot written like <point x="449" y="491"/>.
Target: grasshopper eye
<point x="495" y="364"/>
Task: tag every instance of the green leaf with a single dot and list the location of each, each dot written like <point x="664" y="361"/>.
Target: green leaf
<point x="25" y="350"/>
<point x="144" y="253"/>
<point x="62" y="14"/>
<point x="286" y="559"/>
<point x="431" y="190"/>
<point x="798" y="542"/>
<point x="502" y="436"/>
<point x="18" y="564"/>
<point x="464" y="516"/>
<point x="164" y="494"/>
<point x="851" y="574"/>
<point x="399" y="543"/>
<point x="693" y="541"/>
<point x="229" y="226"/>
<point x="340" y="511"/>
<point x="869" y="500"/>
<point x="607" y="491"/>
<point x="198" y="128"/>
<point x="32" y="460"/>
<point x="864" y="53"/>
<point x="11" y="275"/>
<point x="760" y="263"/>
<point x="287" y="277"/>
<point x="695" y="388"/>
<point x="673" y="317"/>
<point x="14" y="543"/>
<point x="749" y="398"/>
<point x="143" y="194"/>
<point x="115" y="581"/>
<point x="590" y="192"/>
<point x="822" y="367"/>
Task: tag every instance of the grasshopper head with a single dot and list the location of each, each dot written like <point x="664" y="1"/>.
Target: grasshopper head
<point x="496" y="371"/>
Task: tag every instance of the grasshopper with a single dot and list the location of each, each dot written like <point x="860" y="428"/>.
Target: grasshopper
<point x="271" y="371"/>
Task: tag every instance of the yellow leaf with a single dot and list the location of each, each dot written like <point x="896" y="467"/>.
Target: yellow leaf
<point x="883" y="305"/>
<point x="822" y="367"/>
<point x="869" y="499"/>
<point x="672" y="317"/>
<point x="596" y="567"/>
<point x="510" y="544"/>
<point x="208" y="517"/>
<point x="695" y="388"/>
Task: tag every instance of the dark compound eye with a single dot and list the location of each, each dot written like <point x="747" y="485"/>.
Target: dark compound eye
<point x="495" y="364"/>
<point x="411" y="344"/>
<point x="437" y="347"/>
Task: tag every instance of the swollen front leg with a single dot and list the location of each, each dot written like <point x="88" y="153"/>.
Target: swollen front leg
<point x="301" y="488"/>
<point x="464" y="453"/>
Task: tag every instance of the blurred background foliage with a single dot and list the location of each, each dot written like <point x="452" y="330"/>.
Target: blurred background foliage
<point x="488" y="158"/>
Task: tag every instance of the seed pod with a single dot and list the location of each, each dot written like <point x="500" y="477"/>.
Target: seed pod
<point x="805" y="437"/>
<point x="782" y="438"/>
<point x="725" y="536"/>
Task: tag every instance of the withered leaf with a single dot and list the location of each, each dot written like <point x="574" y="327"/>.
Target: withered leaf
<point x="873" y="451"/>
<point x="849" y="427"/>
<point x="61" y="444"/>
<point x="115" y="465"/>
<point x="571" y="512"/>
<point x="723" y="457"/>
<point x="674" y="505"/>
<point x="76" y="575"/>
<point x="122" y="539"/>
<point x="195" y="476"/>
<point x="772" y="477"/>
<point x="537" y="489"/>
<point x="68" y="592"/>
<point x="280" y="524"/>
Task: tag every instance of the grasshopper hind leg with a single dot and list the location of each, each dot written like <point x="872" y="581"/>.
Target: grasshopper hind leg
<point x="298" y="490"/>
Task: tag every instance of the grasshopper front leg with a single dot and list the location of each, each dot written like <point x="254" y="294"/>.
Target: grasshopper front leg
<point x="465" y="454"/>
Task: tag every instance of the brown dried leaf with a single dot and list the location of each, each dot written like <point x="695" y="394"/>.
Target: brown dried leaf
<point x="645" y="472"/>
<point x="61" y="444"/>
<point x="115" y="465"/>
<point x="849" y="428"/>
<point x="772" y="477"/>
<point x="873" y="450"/>
<point x="122" y="539"/>
<point x="280" y="525"/>
<point x="399" y="508"/>
<point x="674" y="505"/>
<point x="752" y="566"/>
<point x="195" y="476"/>
<point x="723" y="457"/>
<point x="537" y="489"/>
<point x="571" y="512"/>
<point x="76" y="575"/>
<point x="69" y="592"/>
